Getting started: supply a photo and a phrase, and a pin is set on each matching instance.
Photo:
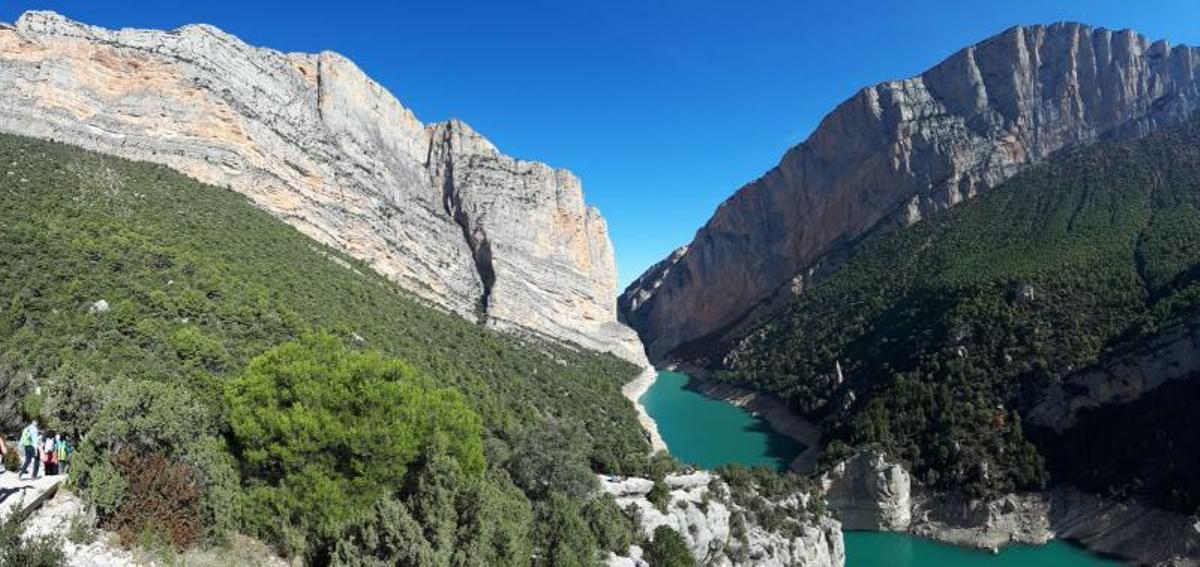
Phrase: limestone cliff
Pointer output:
(312, 139)
(898, 150)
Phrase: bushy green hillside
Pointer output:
(947, 330)
(198, 282)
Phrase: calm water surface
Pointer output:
(707, 433)
(881, 549)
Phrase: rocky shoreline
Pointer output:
(867, 492)
(870, 485)
(1126, 530)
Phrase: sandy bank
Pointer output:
(634, 390)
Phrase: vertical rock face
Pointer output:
(866, 492)
(532, 240)
(899, 150)
(312, 139)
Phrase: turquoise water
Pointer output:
(707, 433)
(882, 549)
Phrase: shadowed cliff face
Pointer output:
(312, 139)
(899, 150)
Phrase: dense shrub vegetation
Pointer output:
(322, 432)
(948, 330)
(667, 549)
(443, 515)
(765, 499)
(162, 500)
(199, 283)
(16, 551)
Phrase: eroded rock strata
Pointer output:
(899, 150)
(312, 139)
(701, 509)
(867, 491)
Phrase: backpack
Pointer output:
(27, 437)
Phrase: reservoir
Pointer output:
(707, 433)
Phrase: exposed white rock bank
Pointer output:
(869, 492)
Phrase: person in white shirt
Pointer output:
(49, 460)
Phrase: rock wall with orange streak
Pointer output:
(315, 141)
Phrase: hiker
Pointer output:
(49, 456)
(62, 451)
(29, 442)
(3, 453)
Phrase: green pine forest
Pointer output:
(262, 383)
(949, 330)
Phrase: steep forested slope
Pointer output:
(946, 332)
(899, 151)
(195, 282)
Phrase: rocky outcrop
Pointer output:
(1013, 518)
(868, 492)
(899, 150)
(315, 141)
(1146, 536)
(1142, 535)
(865, 492)
(701, 511)
(1173, 354)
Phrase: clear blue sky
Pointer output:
(663, 108)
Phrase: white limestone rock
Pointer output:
(865, 492)
(312, 139)
(704, 518)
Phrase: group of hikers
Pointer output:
(51, 453)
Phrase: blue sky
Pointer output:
(663, 108)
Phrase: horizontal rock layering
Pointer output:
(902, 149)
(312, 139)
